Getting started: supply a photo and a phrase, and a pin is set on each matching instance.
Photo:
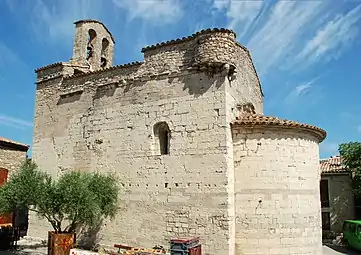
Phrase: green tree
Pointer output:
(351, 158)
(79, 199)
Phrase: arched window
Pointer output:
(104, 55)
(162, 137)
(92, 35)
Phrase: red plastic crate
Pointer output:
(183, 243)
(197, 250)
(6, 219)
(184, 240)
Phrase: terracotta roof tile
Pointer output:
(137, 63)
(248, 119)
(48, 66)
(95, 21)
(188, 38)
(10, 143)
(333, 165)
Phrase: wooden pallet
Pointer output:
(130, 250)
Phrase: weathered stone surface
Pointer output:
(277, 192)
(341, 200)
(12, 156)
(104, 120)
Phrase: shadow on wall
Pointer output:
(203, 83)
(341, 211)
(107, 91)
(70, 98)
(342, 205)
(89, 238)
(196, 85)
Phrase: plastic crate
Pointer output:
(196, 250)
(178, 252)
(183, 243)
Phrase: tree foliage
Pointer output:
(79, 199)
(351, 158)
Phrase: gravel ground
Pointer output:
(38, 247)
(28, 246)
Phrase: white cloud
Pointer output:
(336, 35)
(245, 13)
(53, 20)
(241, 14)
(290, 34)
(15, 122)
(296, 93)
(301, 90)
(276, 39)
(221, 4)
(160, 12)
(358, 128)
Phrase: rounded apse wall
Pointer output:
(277, 197)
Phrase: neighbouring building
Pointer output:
(337, 200)
(12, 155)
(185, 131)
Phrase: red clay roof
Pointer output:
(188, 38)
(9, 143)
(261, 120)
(332, 165)
(48, 66)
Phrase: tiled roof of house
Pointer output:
(332, 165)
(261, 120)
(9, 143)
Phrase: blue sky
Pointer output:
(307, 53)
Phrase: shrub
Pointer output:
(76, 199)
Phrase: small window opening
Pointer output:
(325, 198)
(103, 62)
(162, 136)
(90, 46)
(104, 55)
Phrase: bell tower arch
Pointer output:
(93, 45)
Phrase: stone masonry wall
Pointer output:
(11, 159)
(116, 134)
(81, 43)
(341, 200)
(239, 90)
(277, 192)
(104, 121)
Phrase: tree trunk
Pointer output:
(60, 244)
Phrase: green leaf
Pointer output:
(81, 198)
(351, 159)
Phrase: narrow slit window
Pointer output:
(325, 199)
(162, 138)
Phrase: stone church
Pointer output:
(185, 132)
